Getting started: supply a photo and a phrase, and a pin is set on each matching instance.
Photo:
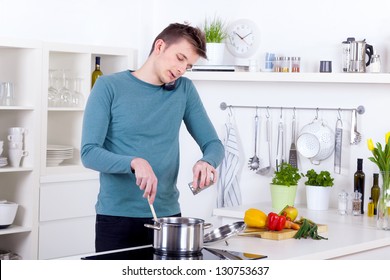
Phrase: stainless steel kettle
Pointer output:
(360, 56)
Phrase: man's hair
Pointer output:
(177, 31)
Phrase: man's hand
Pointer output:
(145, 178)
(204, 173)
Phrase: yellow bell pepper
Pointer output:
(255, 218)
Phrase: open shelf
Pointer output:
(360, 78)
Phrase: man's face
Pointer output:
(172, 61)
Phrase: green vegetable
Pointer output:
(323, 179)
(308, 229)
(286, 175)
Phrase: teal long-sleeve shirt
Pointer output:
(127, 118)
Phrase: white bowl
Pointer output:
(7, 213)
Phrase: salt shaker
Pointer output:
(198, 189)
(343, 202)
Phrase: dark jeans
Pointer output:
(114, 232)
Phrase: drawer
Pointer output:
(66, 237)
(64, 200)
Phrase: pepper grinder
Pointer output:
(357, 203)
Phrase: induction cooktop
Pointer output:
(148, 253)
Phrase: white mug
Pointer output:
(15, 156)
(15, 137)
(15, 145)
(17, 130)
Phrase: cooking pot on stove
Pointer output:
(178, 235)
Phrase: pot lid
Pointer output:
(224, 232)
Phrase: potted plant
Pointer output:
(318, 187)
(215, 32)
(284, 186)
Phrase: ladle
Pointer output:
(254, 162)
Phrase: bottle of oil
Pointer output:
(359, 180)
(375, 192)
(370, 208)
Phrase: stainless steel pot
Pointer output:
(178, 235)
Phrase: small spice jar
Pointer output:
(356, 203)
(285, 64)
(343, 203)
(278, 64)
(295, 64)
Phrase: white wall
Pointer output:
(312, 29)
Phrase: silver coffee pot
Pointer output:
(360, 56)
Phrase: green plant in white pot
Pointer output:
(215, 32)
(284, 186)
(318, 188)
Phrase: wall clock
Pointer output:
(243, 38)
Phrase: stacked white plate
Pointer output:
(3, 161)
(56, 154)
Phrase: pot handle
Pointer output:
(156, 227)
(207, 225)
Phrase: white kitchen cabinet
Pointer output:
(68, 192)
(21, 64)
(62, 125)
(56, 204)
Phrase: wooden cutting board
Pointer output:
(277, 235)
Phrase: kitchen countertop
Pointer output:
(348, 236)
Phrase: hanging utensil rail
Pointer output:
(360, 109)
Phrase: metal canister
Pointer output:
(346, 54)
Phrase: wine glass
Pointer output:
(64, 92)
(53, 95)
(77, 96)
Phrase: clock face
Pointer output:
(243, 38)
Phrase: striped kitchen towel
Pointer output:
(229, 193)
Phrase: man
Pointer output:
(131, 136)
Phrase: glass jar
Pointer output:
(278, 64)
(285, 64)
(295, 64)
(343, 203)
(375, 64)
